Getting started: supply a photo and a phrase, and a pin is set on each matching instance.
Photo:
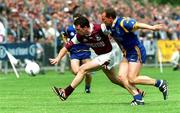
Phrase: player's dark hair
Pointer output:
(110, 12)
(82, 21)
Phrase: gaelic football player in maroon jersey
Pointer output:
(95, 36)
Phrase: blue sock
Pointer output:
(158, 82)
(137, 97)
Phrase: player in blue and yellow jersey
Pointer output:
(134, 53)
(79, 54)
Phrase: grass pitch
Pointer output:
(34, 95)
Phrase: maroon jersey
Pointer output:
(97, 40)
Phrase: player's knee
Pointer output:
(132, 80)
(82, 70)
(75, 72)
(123, 80)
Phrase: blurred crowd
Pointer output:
(42, 21)
(49, 17)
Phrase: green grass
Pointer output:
(34, 95)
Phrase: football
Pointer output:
(32, 68)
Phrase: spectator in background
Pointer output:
(2, 32)
(178, 31)
(38, 31)
(24, 30)
(175, 59)
(10, 38)
(17, 13)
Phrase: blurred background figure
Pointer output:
(2, 33)
(40, 19)
(175, 59)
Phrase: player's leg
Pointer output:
(75, 64)
(111, 74)
(134, 78)
(88, 78)
(131, 89)
(83, 70)
(114, 79)
(123, 75)
(134, 69)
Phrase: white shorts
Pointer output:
(107, 60)
(117, 52)
(93, 54)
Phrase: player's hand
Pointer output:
(54, 60)
(159, 27)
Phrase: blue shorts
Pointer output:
(136, 54)
(80, 55)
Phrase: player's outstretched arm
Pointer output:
(150, 27)
(61, 54)
(64, 50)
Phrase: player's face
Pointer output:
(82, 31)
(106, 20)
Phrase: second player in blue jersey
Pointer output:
(134, 54)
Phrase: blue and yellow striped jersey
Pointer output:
(123, 32)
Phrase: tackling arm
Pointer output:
(150, 27)
(131, 25)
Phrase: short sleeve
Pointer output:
(128, 24)
(71, 31)
(70, 43)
